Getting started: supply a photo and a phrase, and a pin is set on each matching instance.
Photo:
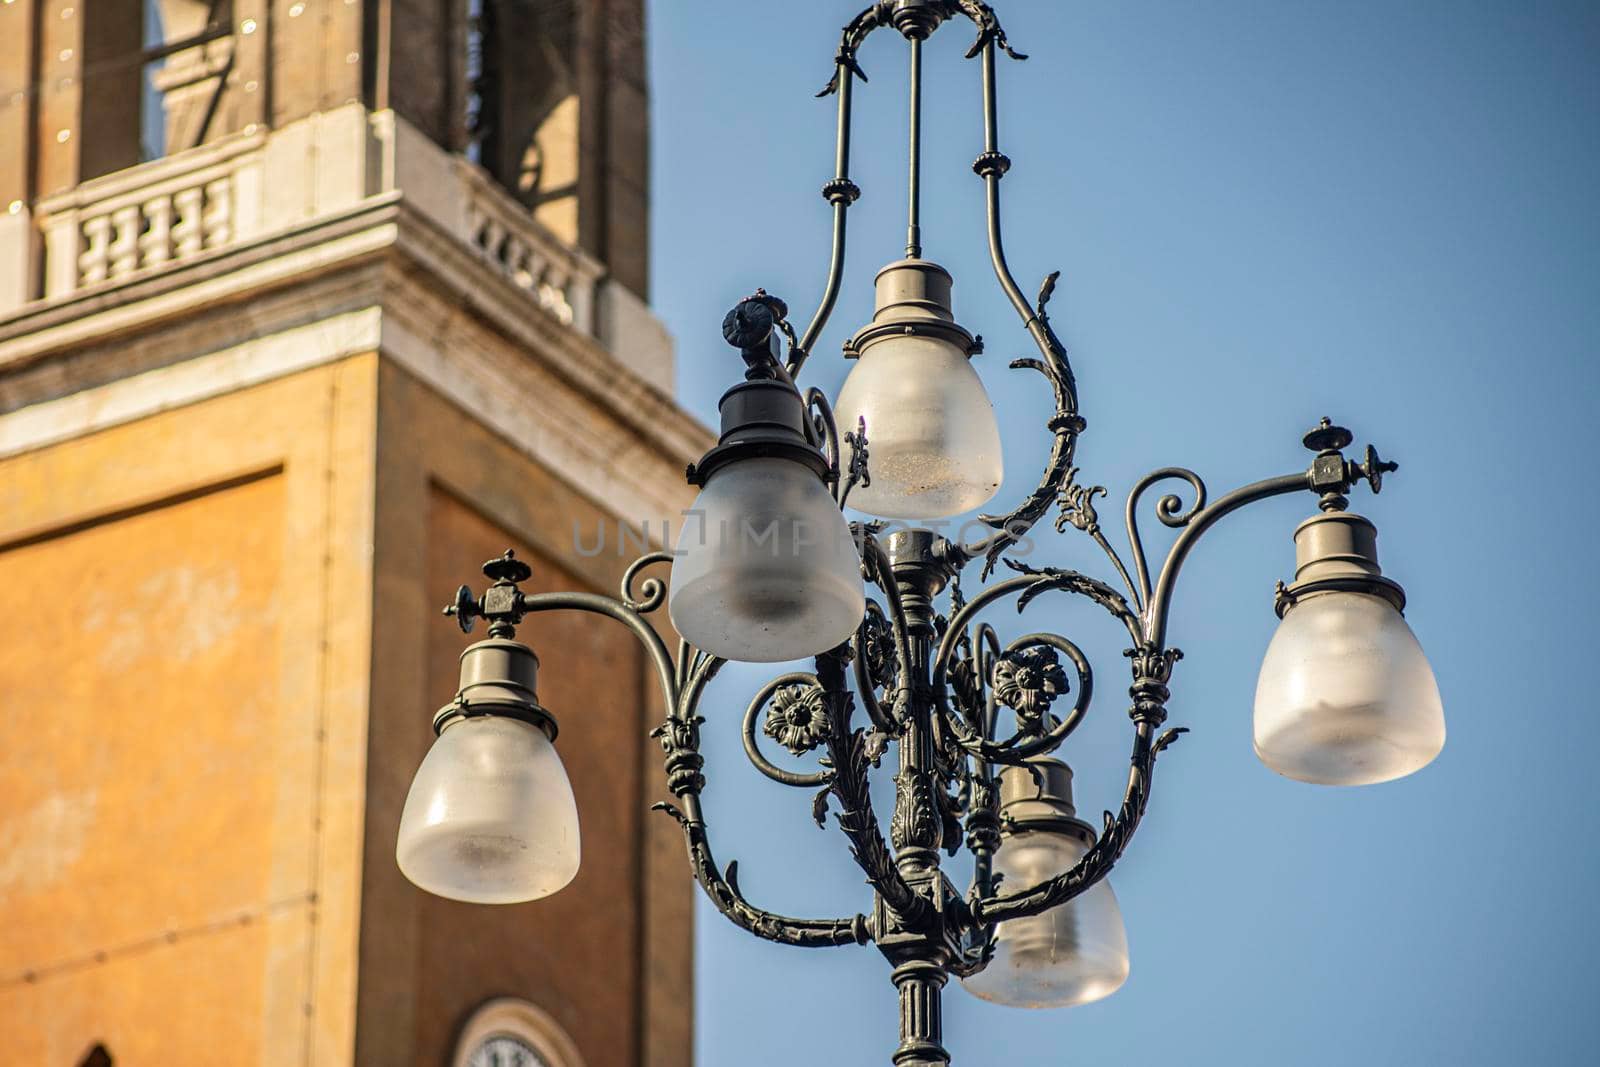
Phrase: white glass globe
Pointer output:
(1072, 954)
(490, 818)
(1346, 696)
(932, 441)
(766, 568)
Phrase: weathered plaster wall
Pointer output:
(184, 617)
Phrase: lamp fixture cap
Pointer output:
(912, 297)
(762, 417)
(1337, 551)
(1038, 796)
(498, 677)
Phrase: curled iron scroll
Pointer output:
(1169, 509)
(752, 747)
(822, 429)
(652, 593)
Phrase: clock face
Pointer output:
(503, 1050)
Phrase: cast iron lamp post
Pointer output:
(767, 569)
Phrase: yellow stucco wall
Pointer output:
(184, 618)
(220, 650)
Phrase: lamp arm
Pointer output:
(1066, 423)
(1102, 856)
(840, 191)
(1330, 476)
(1195, 523)
(680, 736)
(680, 741)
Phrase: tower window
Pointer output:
(186, 57)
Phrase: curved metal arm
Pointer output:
(1169, 509)
(625, 613)
(723, 891)
(1198, 521)
(679, 737)
(1100, 858)
(841, 192)
(824, 430)
(1066, 424)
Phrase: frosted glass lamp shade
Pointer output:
(490, 818)
(766, 568)
(1072, 954)
(1346, 696)
(933, 442)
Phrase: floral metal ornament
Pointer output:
(1027, 681)
(797, 719)
(1077, 505)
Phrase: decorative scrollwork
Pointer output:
(797, 718)
(856, 472)
(653, 593)
(989, 28)
(1169, 509)
(850, 753)
(855, 34)
(1066, 424)
(971, 728)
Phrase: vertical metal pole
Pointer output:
(921, 985)
(914, 222)
(920, 956)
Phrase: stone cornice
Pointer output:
(386, 270)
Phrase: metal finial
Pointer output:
(508, 568)
(1326, 437)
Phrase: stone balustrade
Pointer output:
(166, 211)
(197, 209)
(502, 232)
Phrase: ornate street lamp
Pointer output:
(767, 569)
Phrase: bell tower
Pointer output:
(307, 309)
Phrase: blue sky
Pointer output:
(1264, 213)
